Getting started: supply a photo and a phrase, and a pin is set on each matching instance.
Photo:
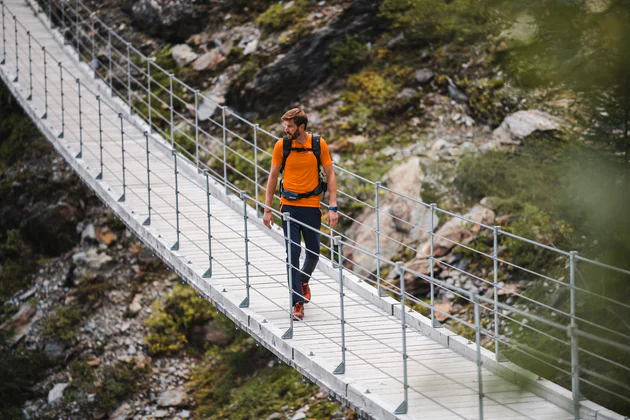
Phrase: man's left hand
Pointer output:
(332, 219)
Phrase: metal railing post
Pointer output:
(149, 94)
(497, 326)
(434, 321)
(256, 126)
(30, 68)
(129, 78)
(208, 272)
(197, 127)
(287, 218)
(80, 154)
(100, 135)
(475, 299)
(224, 148)
(147, 222)
(63, 108)
(170, 77)
(4, 38)
(402, 408)
(109, 59)
(575, 364)
(175, 246)
(245, 302)
(17, 61)
(341, 369)
(377, 209)
(45, 85)
(122, 148)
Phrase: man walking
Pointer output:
(298, 157)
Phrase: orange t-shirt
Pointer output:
(301, 171)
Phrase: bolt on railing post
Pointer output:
(575, 364)
(224, 148)
(147, 222)
(45, 85)
(100, 136)
(434, 321)
(63, 108)
(4, 39)
(122, 148)
(497, 326)
(197, 128)
(170, 78)
(341, 369)
(109, 59)
(402, 408)
(80, 154)
(149, 94)
(287, 219)
(475, 299)
(30, 68)
(129, 77)
(245, 302)
(256, 126)
(17, 61)
(379, 289)
(175, 246)
(208, 272)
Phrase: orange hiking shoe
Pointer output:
(306, 292)
(298, 312)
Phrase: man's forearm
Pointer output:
(271, 190)
(332, 189)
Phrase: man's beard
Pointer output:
(295, 135)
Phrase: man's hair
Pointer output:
(297, 116)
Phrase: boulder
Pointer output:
(172, 398)
(424, 76)
(123, 412)
(184, 55)
(168, 20)
(519, 125)
(56, 393)
(20, 323)
(209, 60)
(457, 230)
(51, 229)
(404, 179)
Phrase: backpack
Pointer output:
(322, 187)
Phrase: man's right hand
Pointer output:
(268, 218)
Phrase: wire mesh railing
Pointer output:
(586, 354)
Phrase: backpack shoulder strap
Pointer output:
(286, 149)
(315, 144)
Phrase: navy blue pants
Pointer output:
(311, 217)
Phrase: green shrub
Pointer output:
(119, 381)
(172, 320)
(63, 322)
(277, 17)
(347, 56)
(439, 21)
(15, 255)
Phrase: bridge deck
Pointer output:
(442, 383)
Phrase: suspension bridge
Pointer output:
(132, 132)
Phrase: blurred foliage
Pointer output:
(15, 256)
(20, 370)
(173, 318)
(278, 16)
(63, 323)
(349, 55)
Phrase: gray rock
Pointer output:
(159, 414)
(519, 125)
(457, 94)
(184, 414)
(184, 55)
(209, 60)
(251, 47)
(88, 233)
(274, 416)
(406, 93)
(54, 349)
(122, 412)
(172, 398)
(491, 203)
(56, 393)
(172, 21)
(131, 351)
(424, 76)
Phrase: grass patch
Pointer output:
(62, 324)
(277, 17)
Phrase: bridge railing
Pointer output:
(219, 146)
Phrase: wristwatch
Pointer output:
(333, 208)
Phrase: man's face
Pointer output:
(292, 130)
